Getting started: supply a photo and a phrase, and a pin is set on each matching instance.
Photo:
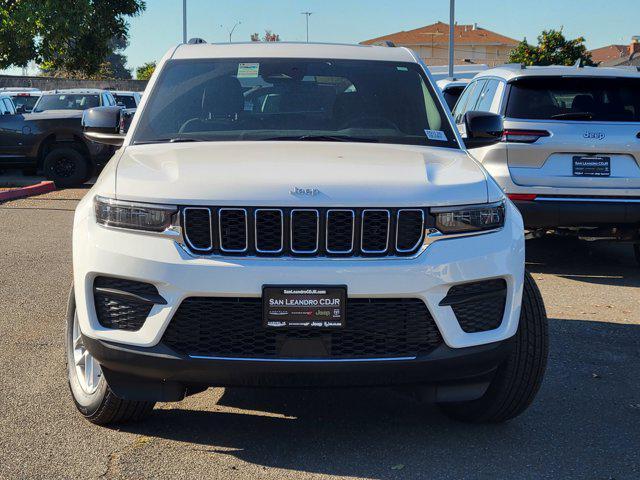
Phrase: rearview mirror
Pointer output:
(102, 125)
(482, 129)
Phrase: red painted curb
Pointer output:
(37, 189)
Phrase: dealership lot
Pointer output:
(584, 423)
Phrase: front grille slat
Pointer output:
(232, 327)
(304, 232)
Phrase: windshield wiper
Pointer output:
(323, 138)
(574, 115)
(169, 140)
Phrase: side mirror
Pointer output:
(102, 125)
(482, 129)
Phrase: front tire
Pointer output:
(91, 394)
(66, 167)
(518, 379)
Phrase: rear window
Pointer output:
(127, 100)
(575, 98)
(65, 101)
(25, 99)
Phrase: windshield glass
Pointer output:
(575, 98)
(66, 101)
(27, 100)
(290, 99)
(126, 100)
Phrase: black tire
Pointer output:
(66, 166)
(102, 406)
(518, 379)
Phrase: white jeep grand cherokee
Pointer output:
(283, 214)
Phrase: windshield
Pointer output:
(294, 99)
(27, 100)
(126, 100)
(575, 98)
(66, 101)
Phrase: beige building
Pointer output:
(473, 44)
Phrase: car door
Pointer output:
(11, 137)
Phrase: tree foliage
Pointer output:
(268, 36)
(65, 36)
(145, 71)
(552, 49)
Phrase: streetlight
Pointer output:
(307, 14)
(184, 21)
(452, 26)
(233, 29)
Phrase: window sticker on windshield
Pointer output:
(402, 69)
(438, 135)
(248, 70)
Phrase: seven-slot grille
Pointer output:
(271, 231)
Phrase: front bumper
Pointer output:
(550, 212)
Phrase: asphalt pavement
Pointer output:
(585, 422)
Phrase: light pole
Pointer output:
(307, 14)
(233, 30)
(452, 26)
(184, 21)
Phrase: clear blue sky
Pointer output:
(351, 21)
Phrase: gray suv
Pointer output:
(570, 152)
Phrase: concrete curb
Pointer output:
(37, 189)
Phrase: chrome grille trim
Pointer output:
(246, 230)
(186, 230)
(353, 230)
(364, 212)
(255, 228)
(291, 215)
(420, 240)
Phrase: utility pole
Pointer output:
(307, 14)
(233, 30)
(452, 26)
(184, 21)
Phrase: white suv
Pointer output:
(284, 214)
(570, 154)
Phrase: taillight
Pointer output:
(526, 197)
(523, 136)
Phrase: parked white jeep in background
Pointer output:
(299, 215)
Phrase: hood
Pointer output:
(54, 114)
(266, 174)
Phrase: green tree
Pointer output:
(145, 71)
(68, 36)
(552, 49)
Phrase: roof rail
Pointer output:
(514, 66)
(196, 41)
(385, 43)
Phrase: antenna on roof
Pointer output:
(385, 43)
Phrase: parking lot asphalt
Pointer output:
(585, 423)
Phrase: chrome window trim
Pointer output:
(255, 225)
(317, 212)
(420, 240)
(186, 232)
(246, 229)
(362, 229)
(353, 230)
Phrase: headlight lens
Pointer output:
(471, 218)
(135, 216)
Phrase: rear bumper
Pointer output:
(158, 373)
(550, 212)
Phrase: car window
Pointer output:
(67, 101)
(279, 99)
(127, 100)
(26, 100)
(486, 97)
(8, 107)
(468, 98)
(575, 98)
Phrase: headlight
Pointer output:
(470, 218)
(135, 216)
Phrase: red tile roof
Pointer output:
(438, 33)
(610, 52)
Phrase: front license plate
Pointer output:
(591, 166)
(304, 306)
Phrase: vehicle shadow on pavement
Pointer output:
(605, 263)
(583, 424)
